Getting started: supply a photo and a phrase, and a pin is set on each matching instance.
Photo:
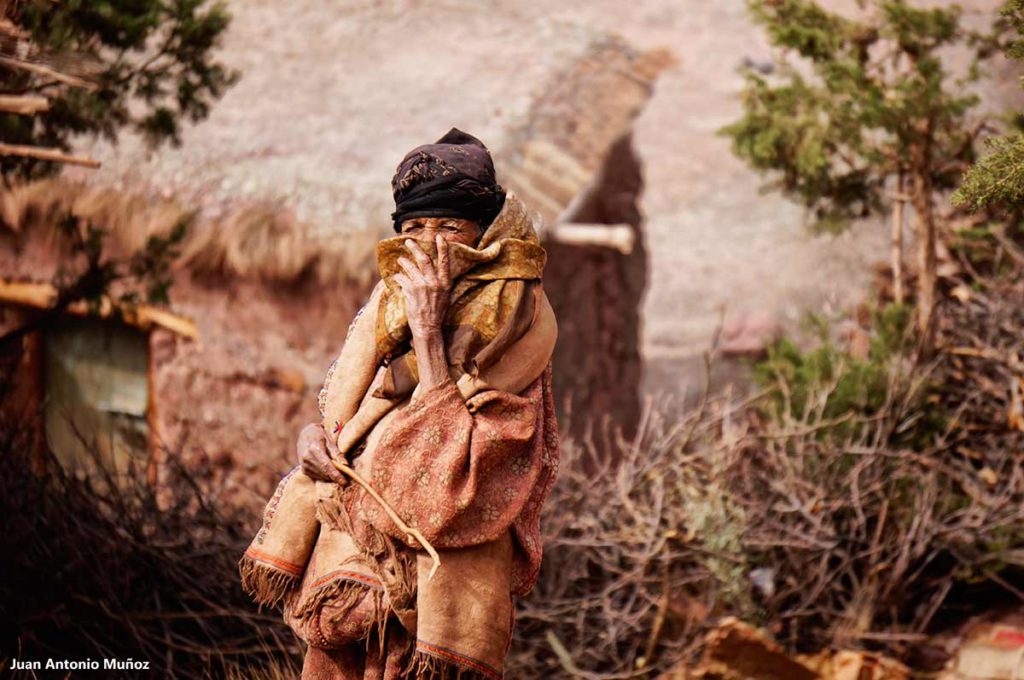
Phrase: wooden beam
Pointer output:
(43, 70)
(620, 237)
(144, 317)
(147, 317)
(25, 105)
(47, 154)
(38, 295)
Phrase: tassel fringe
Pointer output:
(264, 584)
(394, 566)
(425, 666)
(343, 596)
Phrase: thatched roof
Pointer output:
(254, 239)
(276, 196)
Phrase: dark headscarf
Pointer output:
(453, 177)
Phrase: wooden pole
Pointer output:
(43, 70)
(25, 105)
(620, 237)
(47, 154)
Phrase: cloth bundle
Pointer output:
(318, 557)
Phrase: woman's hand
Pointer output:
(315, 451)
(426, 288)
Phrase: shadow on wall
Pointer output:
(596, 291)
(574, 162)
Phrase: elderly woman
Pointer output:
(440, 401)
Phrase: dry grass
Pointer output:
(273, 670)
(870, 529)
(636, 547)
(90, 568)
(258, 240)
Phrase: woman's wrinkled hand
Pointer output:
(426, 288)
(315, 451)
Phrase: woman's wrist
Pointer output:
(430, 358)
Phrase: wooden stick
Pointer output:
(415, 533)
(44, 70)
(47, 154)
(25, 105)
(620, 237)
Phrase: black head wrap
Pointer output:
(453, 177)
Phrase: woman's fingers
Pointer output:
(311, 469)
(403, 281)
(425, 291)
(314, 449)
(332, 446)
(336, 475)
(309, 434)
(413, 272)
(317, 465)
(422, 259)
(443, 274)
(333, 454)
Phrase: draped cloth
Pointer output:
(468, 463)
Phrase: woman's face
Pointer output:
(451, 229)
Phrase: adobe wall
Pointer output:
(233, 403)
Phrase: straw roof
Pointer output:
(255, 239)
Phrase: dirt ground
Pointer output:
(333, 94)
